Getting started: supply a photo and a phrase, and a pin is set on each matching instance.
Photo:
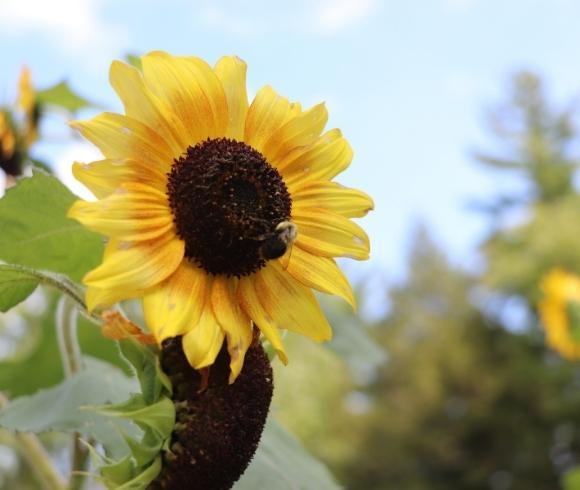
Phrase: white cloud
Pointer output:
(335, 15)
(74, 26)
(258, 17)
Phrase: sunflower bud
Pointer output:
(218, 425)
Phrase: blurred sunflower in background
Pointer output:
(560, 312)
(19, 127)
(221, 214)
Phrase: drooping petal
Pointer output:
(121, 137)
(320, 273)
(231, 71)
(175, 306)
(202, 344)
(141, 104)
(334, 197)
(234, 322)
(192, 90)
(131, 266)
(134, 212)
(328, 234)
(290, 304)
(104, 177)
(324, 159)
(250, 303)
(299, 131)
(268, 112)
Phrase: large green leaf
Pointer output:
(281, 463)
(37, 233)
(61, 95)
(61, 408)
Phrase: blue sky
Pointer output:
(406, 81)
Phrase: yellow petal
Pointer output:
(299, 131)
(251, 305)
(192, 90)
(320, 273)
(290, 304)
(334, 197)
(268, 112)
(133, 212)
(121, 137)
(136, 266)
(175, 306)
(324, 159)
(328, 234)
(144, 106)
(231, 71)
(103, 298)
(234, 322)
(203, 343)
(103, 177)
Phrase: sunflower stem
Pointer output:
(37, 457)
(70, 352)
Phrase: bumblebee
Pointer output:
(275, 244)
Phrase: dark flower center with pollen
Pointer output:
(226, 200)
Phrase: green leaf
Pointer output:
(571, 480)
(61, 95)
(15, 287)
(36, 232)
(134, 60)
(59, 408)
(281, 463)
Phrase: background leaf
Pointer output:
(37, 233)
(37, 364)
(281, 463)
(60, 408)
(61, 95)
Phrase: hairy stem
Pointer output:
(66, 324)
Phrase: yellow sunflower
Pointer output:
(220, 214)
(560, 312)
(27, 102)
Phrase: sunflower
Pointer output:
(221, 215)
(29, 105)
(560, 312)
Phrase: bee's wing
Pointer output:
(285, 259)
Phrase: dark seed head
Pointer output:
(225, 199)
(218, 425)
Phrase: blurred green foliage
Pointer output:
(463, 401)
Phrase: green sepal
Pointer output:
(147, 449)
(145, 364)
(159, 416)
(143, 479)
(118, 472)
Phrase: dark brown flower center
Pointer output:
(226, 199)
